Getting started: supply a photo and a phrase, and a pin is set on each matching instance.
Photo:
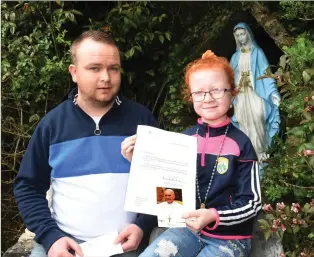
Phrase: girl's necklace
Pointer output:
(202, 204)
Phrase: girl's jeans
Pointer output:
(182, 242)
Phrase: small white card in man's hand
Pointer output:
(102, 246)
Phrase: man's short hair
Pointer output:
(96, 35)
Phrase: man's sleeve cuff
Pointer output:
(217, 220)
(146, 223)
(48, 239)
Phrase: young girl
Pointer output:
(227, 182)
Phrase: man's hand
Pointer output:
(61, 248)
(127, 147)
(130, 238)
(201, 218)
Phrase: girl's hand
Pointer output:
(127, 147)
(197, 220)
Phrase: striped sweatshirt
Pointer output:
(235, 193)
(87, 172)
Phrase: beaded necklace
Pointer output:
(202, 204)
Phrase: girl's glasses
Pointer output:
(216, 93)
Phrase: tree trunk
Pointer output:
(270, 23)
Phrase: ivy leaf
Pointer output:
(270, 216)
(139, 48)
(168, 36)
(296, 229)
(264, 223)
(34, 118)
(307, 115)
(132, 52)
(76, 12)
(161, 38)
(267, 234)
(311, 210)
(306, 77)
(132, 24)
(150, 72)
(12, 16)
(309, 146)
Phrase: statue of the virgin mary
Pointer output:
(256, 110)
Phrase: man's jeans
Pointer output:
(39, 250)
(182, 242)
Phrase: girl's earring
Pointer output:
(231, 106)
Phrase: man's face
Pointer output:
(241, 36)
(97, 71)
(169, 196)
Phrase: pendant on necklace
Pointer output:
(202, 205)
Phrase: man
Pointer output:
(169, 212)
(77, 148)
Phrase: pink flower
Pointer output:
(282, 255)
(280, 206)
(273, 228)
(301, 222)
(307, 109)
(267, 208)
(312, 203)
(283, 228)
(302, 254)
(295, 207)
(276, 224)
(308, 152)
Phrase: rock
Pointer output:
(23, 247)
(262, 248)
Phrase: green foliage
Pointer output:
(34, 77)
(289, 177)
(297, 16)
(297, 10)
(176, 114)
(290, 163)
(142, 34)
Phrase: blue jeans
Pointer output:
(39, 250)
(182, 242)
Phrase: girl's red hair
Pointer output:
(208, 61)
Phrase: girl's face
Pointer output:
(212, 111)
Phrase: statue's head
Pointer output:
(243, 36)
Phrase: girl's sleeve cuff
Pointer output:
(217, 220)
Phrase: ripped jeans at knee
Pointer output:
(182, 242)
